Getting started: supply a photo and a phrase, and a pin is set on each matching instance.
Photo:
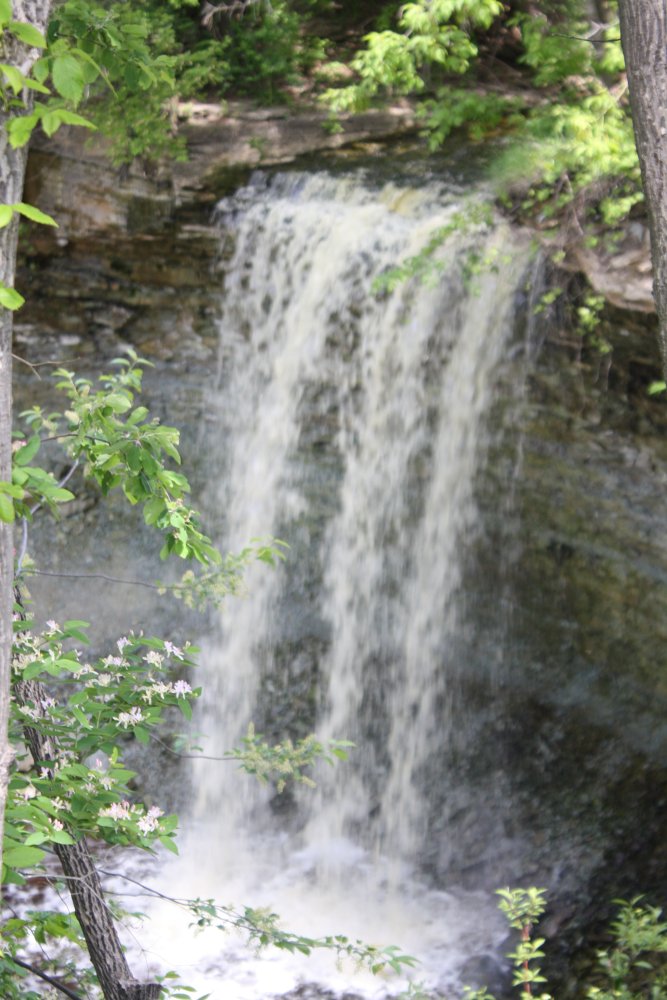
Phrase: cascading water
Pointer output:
(352, 424)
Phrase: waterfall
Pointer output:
(351, 422)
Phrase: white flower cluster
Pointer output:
(117, 810)
(114, 661)
(83, 671)
(147, 823)
(172, 650)
(161, 688)
(131, 718)
(30, 712)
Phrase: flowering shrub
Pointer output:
(73, 716)
(90, 712)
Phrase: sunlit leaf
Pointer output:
(35, 85)
(10, 298)
(20, 129)
(23, 857)
(68, 78)
(51, 122)
(28, 34)
(169, 844)
(6, 509)
(14, 77)
(72, 118)
(35, 214)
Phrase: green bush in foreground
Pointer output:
(632, 968)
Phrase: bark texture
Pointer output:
(84, 884)
(12, 172)
(644, 38)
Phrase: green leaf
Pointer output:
(5, 12)
(118, 402)
(67, 662)
(67, 76)
(90, 69)
(61, 837)
(24, 455)
(23, 857)
(51, 122)
(133, 458)
(10, 298)
(78, 636)
(140, 413)
(40, 70)
(33, 670)
(35, 85)
(34, 839)
(11, 490)
(80, 717)
(71, 118)
(169, 844)
(59, 495)
(7, 213)
(153, 510)
(185, 707)
(30, 212)
(14, 77)
(79, 698)
(6, 509)
(20, 129)
(28, 34)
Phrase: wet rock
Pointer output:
(622, 273)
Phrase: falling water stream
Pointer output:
(351, 422)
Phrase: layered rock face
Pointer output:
(564, 678)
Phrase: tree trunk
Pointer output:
(84, 884)
(90, 906)
(7, 255)
(644, 38)
(12, 173)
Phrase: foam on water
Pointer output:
(398, 387)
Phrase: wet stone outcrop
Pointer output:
(574, 577)
(563, 669)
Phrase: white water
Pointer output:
(396, 388)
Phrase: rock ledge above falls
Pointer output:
(72, 178)
(134, 257)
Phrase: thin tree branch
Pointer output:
(42, 364)
(47, 979)
(97, 576)
(142, 885)
(28, 364)
(582, 38)
(33, 510)
(188, 756)
(184, 903)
